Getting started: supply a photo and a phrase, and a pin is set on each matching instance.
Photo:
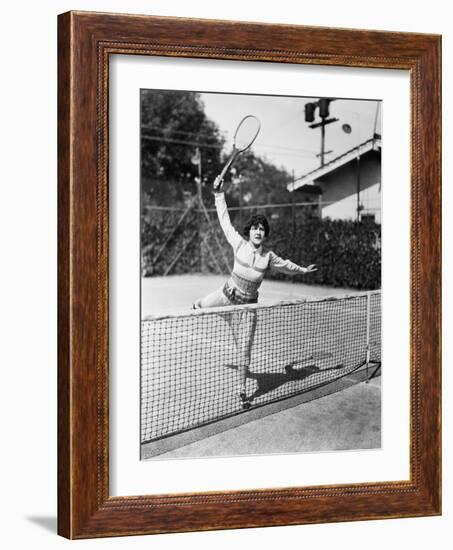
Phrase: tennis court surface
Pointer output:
(190, 361)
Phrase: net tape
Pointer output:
(190, 363)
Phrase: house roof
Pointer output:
(311, 177)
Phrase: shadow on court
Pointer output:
(342, 415)
(270, 381)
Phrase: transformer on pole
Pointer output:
(323, 106)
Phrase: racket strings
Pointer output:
(246, 132)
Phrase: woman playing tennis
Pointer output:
(251, 258)
(251, 261)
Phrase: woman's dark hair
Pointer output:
(257, 219)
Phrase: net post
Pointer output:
(368, 324)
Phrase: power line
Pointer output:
(295, 154)
(199, 135)
(185, 132)
(181, 142)
(247, 207)
(277, 151)
(282, 147)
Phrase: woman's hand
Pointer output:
(217, 186)
(311, 268)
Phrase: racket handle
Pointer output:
(228, 164)
(217, 186)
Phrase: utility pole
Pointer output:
(347, 129)
(293, 215)
(359, 208)
(241, 199)
(323, 106)
(196, 159)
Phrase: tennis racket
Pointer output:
(246, 132)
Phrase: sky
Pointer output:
(285, 138)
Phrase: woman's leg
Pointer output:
(243, 325)
(214, 299)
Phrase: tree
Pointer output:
(258, 181)
(173, 125)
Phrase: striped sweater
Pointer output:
(250, 263)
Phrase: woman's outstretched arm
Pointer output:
(287, 266)
(232, 236)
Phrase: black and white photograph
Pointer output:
(260, 274)
(218, 257)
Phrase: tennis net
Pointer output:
(190, 363)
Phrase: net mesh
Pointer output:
(375, 327)
(190, 363)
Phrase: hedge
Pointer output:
(346, 253)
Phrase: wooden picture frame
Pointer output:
(85, 41)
